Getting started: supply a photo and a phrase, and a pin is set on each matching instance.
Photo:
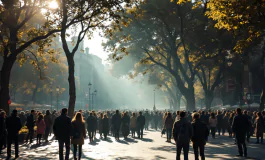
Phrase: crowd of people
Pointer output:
(181, 126)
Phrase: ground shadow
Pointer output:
(130, 140)
(122, 142)
(147, 140)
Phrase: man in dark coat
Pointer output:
(156, 119)
(91, 125)
(30, 125)
(2, 130)
(182, 133)
(13, 125)
(200, 134)
(140, 125)
(219, 122)
(240, 127)
(147, 120)
(62, 130)
(116, 124)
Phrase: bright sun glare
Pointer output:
(53, 5)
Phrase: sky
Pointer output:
(95, 47)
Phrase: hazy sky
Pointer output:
(95, 47)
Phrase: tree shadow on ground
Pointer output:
(147, 140)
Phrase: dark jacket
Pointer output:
(13, 125)
(62, 127)
(48, 120)
(91, 123)
(240, 126)
(169, 123)
(30, 121)
(2, 127)
(105, 125)
(200, 132)
(140, 121)
(23, 119)
(184, 126)
(116, 120)
(219, 120)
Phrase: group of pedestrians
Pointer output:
(181, 126)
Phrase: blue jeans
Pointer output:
(169, 133)
(67, 148)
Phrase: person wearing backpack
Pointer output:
(79, 134)
(200, 134)
(62, 129)
(182, 133)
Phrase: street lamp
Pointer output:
(89, 85)
(51, 94)
(154, 100)
(95, 93)
(86, 94)
(57, 90)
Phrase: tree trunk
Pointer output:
(208, 99)
(33, 99)
(72, 87)
(190, 98)
(5, 80)
(177, 102)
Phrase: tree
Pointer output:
(89, 15)
(19, 35)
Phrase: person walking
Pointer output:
(79, 134)
(169, 125)
(259, 128)
(100, 125)
(62, 130)
(219, 124)
(105, 126)
(30, 125)
(240, 127)
(91, 125)
(23, 118)
(48, 122)
(140, 125)
(182, 133)
(2, 130)
(116, 124)
(13, 125)
(41, 126)
(213, 124)
(156, 119)
(125, 122)
(200, 134)
(133, 125)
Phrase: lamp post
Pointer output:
(51, 95)
(93, 94)
(154, 100)
(89, 85)
(57, 90)
(86, 94)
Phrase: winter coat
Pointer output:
(91, 123)
(82, 130)
(13, 125)
(182, 131)
(200, 132)
(116, 121)
(41, 126)
(23, 119)
(100, 125)
(125, 125)
(212, 122)
(259, 127)
(219, 120)
(30, 121)
(140, 121)
(240, 127)
(62, 127)
(133, 124)
(169, 123)
(2, 127)
(105, 125)
(48, 120)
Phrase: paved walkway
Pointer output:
(152, 147)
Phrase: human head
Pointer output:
(133, 114)
(182, 114)
(238, 111)
(64, 111)
(195, 116)
(2, 113)
(78, 117)
(14, 112)
(117, 111)
(140, 113)
(32, 111)
(40, 117)
(48, 112)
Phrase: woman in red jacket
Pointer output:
(41, 126)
